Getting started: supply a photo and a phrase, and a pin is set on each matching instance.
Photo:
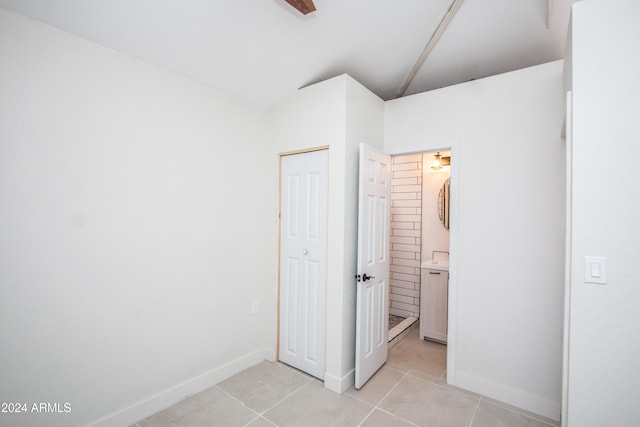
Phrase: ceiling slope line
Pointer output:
(446, 19)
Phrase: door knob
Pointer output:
(365, 277)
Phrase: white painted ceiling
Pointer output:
(264, 50)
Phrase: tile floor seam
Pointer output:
(240, 402)
(397, 416)
(260, 417)
(309, 381)
(385, 396)
(356, 398)
(366, 416)
(420, 377)
(418, 374)
(391, 389)
(395, 369)
(516, 410)
(542, 421)
(375, 405)
(406, 374)
(252, 420)
(359, 399)
(475, 412)
(447, 387)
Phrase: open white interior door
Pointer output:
(372, 312)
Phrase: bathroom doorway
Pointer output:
(419, 234)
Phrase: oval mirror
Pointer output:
(443, 204)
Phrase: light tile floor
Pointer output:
(409, 390)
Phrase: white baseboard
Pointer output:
(166, 398)
(518, 398)
(338, 384)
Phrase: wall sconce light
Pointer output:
(440, 161)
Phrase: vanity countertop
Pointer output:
(435, 264)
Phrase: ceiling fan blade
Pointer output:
(303, 6)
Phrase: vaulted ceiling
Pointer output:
(264, 50)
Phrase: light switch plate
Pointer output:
(595, 270)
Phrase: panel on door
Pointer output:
(372, 295)
(303, 261)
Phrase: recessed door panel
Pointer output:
(290, 297)
(293, 206)
(314, 210)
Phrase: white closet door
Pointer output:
(303, 260)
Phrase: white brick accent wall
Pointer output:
(406, 223)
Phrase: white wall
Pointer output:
(507, 275)
(315, 117)
(434, 236)
(129, 240)
(365, 123)
(339, 113)
(604, 346)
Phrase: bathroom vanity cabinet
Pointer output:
(434, 300)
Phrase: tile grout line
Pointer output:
(366, 416)
(396, 416)
(516, 410)
(375, 406)
(260, 414)
(240, 402)
(480, 398)
(396, 369)
(309, 381)
(392, 388)
(260, 417)
(406, 374)
(445, 386)
(475, 412)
